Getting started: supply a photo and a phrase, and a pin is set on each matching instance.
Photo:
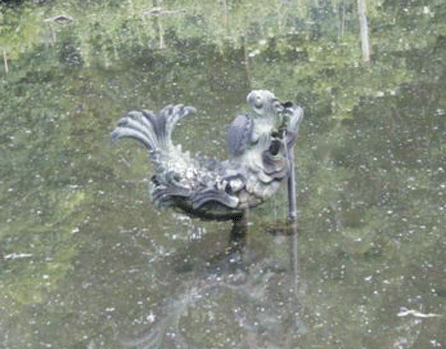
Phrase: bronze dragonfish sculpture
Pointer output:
(258, 143)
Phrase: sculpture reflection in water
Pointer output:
(245, 309)
(259, 143)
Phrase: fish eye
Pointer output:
(258, 103)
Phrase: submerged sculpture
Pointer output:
(259, 143)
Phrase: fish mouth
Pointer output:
(279, 107)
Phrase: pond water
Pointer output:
(88, 262)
